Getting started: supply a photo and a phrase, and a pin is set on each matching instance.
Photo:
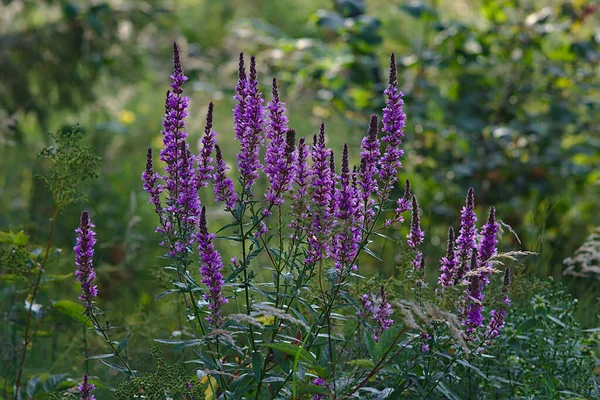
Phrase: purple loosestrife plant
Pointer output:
(302, 177)
(393, 125)
(204, 159)
(367, 175)
(378, 309)
(449, 263)
(416, 235)
(86, 389)
(249, 126)
(467, 237)
(322, 184)
(223, 186)
(84, 254)
(488, 247)
(210, 269)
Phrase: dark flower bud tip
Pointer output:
(393, 71)
(373, 127)
(209, 118)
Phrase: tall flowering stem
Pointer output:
(322, 183)
(393, 125)
(497, 316)
(378, 308)
(369, 156)
(223, 186)
(347, 236)
(204, 159)
(449, 262)
(86, 389)
(474, 317)
(467, 238)
(301, 181)
(416, 235)
(278, 157)
(84, 254)
(211, 265)
(488, 247)
(249, 121)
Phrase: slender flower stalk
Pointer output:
(84, 254)
(467, 238)
(151, 185)
(204, 159)
(301, 181)
(278, 162)
(347, 236)
(488, 247)
(416, 235)
(369, 156)
(379, 309)
(223, 186)
(86, 389)
(393, 125)
(322, 183)
(211, 265)
(250, 126)
(449, 263)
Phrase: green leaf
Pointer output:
(257, 365)
(526, 325)
(362, 363)
(557, 321)
(293, 350)
(101, 356)
(17, 239)
(72, 310)
(123, 343)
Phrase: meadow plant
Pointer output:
(291, 316)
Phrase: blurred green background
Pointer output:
(501, 95)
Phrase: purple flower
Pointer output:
(416, 235)
(301, 180)
(151, 185)
(449, 262)
(474, 318)
(204, 159)
(86, 389)
(380, 310)
(248, 121)
(322, 183)
(467, 238)
(393, 123)
(210, 269)
(488, 246)
(346, 239)
(369, 156)
(223, 186)
(84, 254)
(319, 382)
(279, 153)
(496, 323)
(425, 338)
(402, 205)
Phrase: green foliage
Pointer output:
(72, 164)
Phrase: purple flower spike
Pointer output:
(322, 183)
(496, 323)
(393, 124)
(416, 235)
(488, 246)
(380, 310)
(223, 186)
(475, 297)
(204, 160)
(84, 254)
(211, 265)
(345, 241)
(151, 186)
(249, 128)
(369, 156)
(449, 262)
(301, 179)
(467, 238)
(86, 389)
(280, 150)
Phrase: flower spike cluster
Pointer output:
(210, 269)
(393, 125)
(84, 254)
(449, 263)
(223, 186)
(204, 159)
(367, 175)
(378, 308)
(467, 238)
(416, 235)
(86, 389)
